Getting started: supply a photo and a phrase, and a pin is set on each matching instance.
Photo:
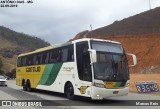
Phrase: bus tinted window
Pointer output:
(24, 61)
(29, 60)
(34, 59)
(59, 55)
(62, 54)
(53, 56)
(39, 58)
(70, 53)
(65, 54)
(45, 57)
(19, 62)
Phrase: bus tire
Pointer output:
(24, 87)
(28, 86)
(69, 91)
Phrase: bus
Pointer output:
(87, 67)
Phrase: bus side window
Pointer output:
(53, 58)
(40, 58)
(70, 53)
(34, 59)
(64, 57)
(24, 61)
(67, 54)
(29, 60)
(59, 54)
(45, 57)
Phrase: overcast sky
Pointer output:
(57, 21)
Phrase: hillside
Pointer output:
(143, 23)
(13, 43)
(22, 39)
(140, 34)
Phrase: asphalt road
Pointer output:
(57, 100)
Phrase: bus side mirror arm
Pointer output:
(93, 55)
(134, 59)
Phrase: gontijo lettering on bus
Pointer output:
(33, 69)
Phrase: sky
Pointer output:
(57, 21)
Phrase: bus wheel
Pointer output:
(24, 87)
(28, 86)
(69, 91)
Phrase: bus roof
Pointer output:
(67, 43)
(89, 39)
(45, 48)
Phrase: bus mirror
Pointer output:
(93, 55)
(134, 59)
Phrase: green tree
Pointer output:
(1, 71)
(1, 64)
(11, 74)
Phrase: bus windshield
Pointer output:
(111, 62)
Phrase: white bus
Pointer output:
(86, 67)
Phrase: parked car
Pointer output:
(3, 81)
(7, 77)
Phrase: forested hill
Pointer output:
(22, 39)
(12, 44)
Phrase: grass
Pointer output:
(144, 77)
(6, 44)
(8, 63)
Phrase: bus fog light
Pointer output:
(127, 84)
(97, 95)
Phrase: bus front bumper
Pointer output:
(101, 93)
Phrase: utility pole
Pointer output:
(85, 36)
(149, 4)
(91, 26)
(91, 29)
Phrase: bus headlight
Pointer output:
(127, 84)
(99, 85)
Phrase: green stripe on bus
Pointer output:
(46, 73)
(123, 84)
(52, 74)
(118, 84)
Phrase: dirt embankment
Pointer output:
(143, 77)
